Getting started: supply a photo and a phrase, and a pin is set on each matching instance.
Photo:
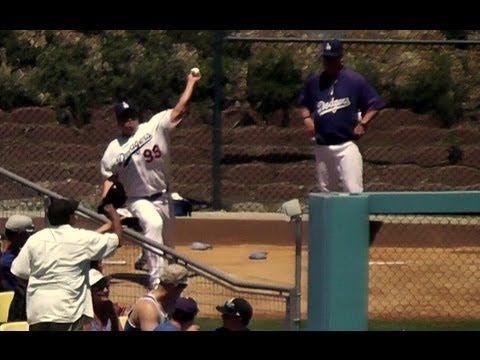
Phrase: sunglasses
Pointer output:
(182, 286)
(102, 284)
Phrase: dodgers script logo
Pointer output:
(134, 148)
(324, 107)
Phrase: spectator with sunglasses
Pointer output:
(105, 316)
(156, 307)
(236, 315)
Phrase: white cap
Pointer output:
(94, 276)
(176, 196)
(20, 223)
(124, 212)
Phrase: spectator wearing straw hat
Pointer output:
(157, 306)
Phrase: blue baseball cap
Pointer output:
(187, 305)
(332, 48)
(123, 110)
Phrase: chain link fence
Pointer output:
(425, 268)
(426, 140)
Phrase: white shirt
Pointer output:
(56, 262)
(142, 161)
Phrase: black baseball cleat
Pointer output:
(141, 265)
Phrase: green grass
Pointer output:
(373, 325)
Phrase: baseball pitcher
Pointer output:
(140, 159)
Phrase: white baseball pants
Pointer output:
(339, 168)
(157, 220)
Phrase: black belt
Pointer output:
(155, 196)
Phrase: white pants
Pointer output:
(339, 168)
(157, 220)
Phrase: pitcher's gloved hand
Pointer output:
(116, 196)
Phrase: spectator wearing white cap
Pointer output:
(155, 307)
(18, 229)
(105, 316)
(56, 261)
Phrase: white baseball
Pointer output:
(195, 71)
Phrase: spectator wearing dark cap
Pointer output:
(157, 306)
(140, 160)
(337, 105)
(236, 315)
(56, 261)
(18, 229)
(186, 309)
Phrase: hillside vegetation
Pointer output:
(75, 72)
(57, 89)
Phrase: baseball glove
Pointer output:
(116, 196)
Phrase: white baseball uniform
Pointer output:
(142, 163)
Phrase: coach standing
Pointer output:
(331, 102)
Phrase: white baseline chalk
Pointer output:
(386, 262)
(114, 262)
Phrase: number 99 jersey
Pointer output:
(142, 161)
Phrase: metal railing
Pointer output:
(209, 277)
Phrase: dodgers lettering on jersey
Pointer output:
(124, 158)
(142, 161)
(324, 107)
(335, 104)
